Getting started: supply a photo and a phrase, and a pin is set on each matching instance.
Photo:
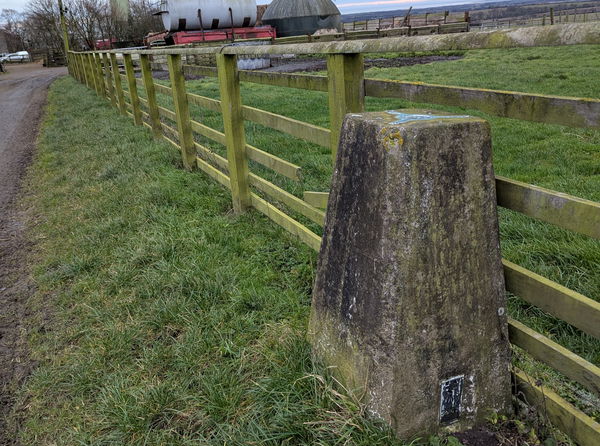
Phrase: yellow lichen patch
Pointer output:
(391, 138)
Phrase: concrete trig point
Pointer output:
(409, 302)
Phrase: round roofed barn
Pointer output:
(298, 17)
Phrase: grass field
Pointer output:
(172, 321)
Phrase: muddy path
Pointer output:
(23, 92)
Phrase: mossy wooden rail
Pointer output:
(347, 88)
(572, 112)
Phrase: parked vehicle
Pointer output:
(20, 56)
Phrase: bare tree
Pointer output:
(85, 19)
(41, 25)
(142, 19)
(87, 22)
(11, 22)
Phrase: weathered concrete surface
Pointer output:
(409, 289)
(556, 35)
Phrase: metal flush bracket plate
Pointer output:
(450, 395)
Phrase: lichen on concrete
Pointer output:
(409, 289)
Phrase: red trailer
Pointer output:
(215, 35)
(104, 44)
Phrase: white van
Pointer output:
(20, 56)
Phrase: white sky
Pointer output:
(346, 6)
(19, 5)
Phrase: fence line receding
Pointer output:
(114, 78)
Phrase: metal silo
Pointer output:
(297, 17)
(186, 15)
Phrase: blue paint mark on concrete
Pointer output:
(408, 117)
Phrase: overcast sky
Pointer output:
(346, 6)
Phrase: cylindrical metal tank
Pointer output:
(191, 15)
(297, 17)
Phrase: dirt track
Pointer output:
(23, 93)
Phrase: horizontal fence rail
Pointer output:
(573, 112)
(570, 112)
(554, 355)
(566, 211)
(580, 427)
(563, 303)
(563, 210)
(101, 72)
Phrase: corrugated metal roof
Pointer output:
(281, 9)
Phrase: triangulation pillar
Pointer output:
(409, 306)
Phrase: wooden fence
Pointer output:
(552, 17)
(423, 19)
(347, 88)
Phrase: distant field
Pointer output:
(482, 11)
(176, 323)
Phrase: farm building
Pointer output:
(298, 17)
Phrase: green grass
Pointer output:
(556, 157)
(175, 322)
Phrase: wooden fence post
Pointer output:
(346, 87)
(76, 67)
(118, 86)
(133, 94)
(79, 68)
(78, 74)
(233, 122)
(90, 68)
(150, 95)
(97, 75)
(182, 111)
(83, 70)
(86, 71)
(92, 65)
(100, 74)
(94, 81)
(109, 82)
